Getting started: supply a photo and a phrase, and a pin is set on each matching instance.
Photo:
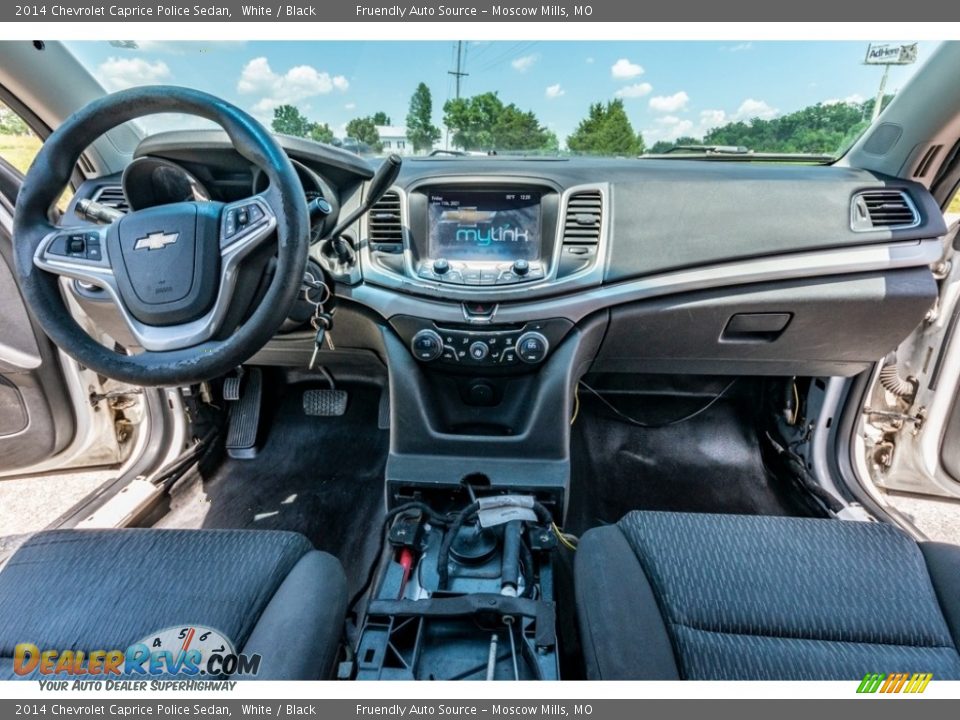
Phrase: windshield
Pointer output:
(616, 99)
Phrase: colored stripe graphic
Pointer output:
(893, 683)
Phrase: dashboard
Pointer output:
(486, 265)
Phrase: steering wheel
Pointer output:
(172, 270)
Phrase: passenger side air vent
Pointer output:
(581, 231)
(891, 209)
(384, 224)
(112, 196)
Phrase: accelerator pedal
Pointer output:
(325, 403)
(245, 394)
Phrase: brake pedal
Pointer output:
(244, 414)
(325, 403)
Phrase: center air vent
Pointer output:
(891, 209)
(581, 231)
(384, 225)
(112, 196)
(581, 226)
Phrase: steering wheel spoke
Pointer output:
(244, 225)
(79, 253)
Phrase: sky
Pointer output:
(669, 89)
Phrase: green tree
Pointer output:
(321, 132)
(606, 131)
(420, 128)
(365, 130)
(12, 124)
(483, 122)
(288, 120)
(381, 118)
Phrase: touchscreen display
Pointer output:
(484, 225)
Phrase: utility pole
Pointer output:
(458, 73)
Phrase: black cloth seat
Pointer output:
(724, 597)
(270, 592)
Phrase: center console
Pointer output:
(481, 399)
(476, 389)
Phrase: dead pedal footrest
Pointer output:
(245, 417)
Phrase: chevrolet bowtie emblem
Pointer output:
(156, 241)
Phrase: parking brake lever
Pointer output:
(381, 181)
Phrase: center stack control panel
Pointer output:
(493, 348)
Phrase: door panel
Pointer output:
(36, 414)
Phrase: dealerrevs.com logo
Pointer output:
(892, 683)
(190, 651)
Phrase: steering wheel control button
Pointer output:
(479, 350)
(532, 347)
(427, 345)
(77, 245)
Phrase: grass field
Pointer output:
(19, 150)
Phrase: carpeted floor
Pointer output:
(319, 476)
(710, 463)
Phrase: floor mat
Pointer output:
(320, 476)
(709, 463)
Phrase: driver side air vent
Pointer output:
(891, 209)
(112, 196)
(581, 231)
(384, 224)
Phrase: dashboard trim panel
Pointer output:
(861, 259)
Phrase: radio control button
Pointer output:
(441, 266)
(471, 277)
(488, 277)
(521, 267)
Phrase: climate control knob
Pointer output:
(532, 347)
(479, 350)
(427, 345)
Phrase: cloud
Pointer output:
(855, 99)
(555, 91)
(298, 83)
(674, 127)
(712, 118)
(121, 73)
(741, 47)
(750, 109)
(590, 61)
(350, 106)
(634, 91)
(670, 103)
(522, 64)
(623, 69)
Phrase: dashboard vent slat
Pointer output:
(112, 196)
(891, 209)
(384, 223)
(584, 215)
